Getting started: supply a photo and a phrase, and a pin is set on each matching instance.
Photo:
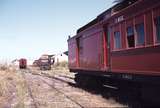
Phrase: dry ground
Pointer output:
(45, 89)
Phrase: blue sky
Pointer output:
(29, 28)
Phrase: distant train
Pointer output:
(121, 43)
(22, 63)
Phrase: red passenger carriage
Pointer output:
(125, 41)
(121, 43)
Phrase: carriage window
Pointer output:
(157, 23)
(130, 37)
(117, 41)
(140, 34)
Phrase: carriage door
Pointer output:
(107, 48)
(79, 51)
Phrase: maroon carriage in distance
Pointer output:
(121, 43)
(23, 63)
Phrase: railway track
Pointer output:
(68, 97)
(42, 76)
(29, 90)
(54, 77)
